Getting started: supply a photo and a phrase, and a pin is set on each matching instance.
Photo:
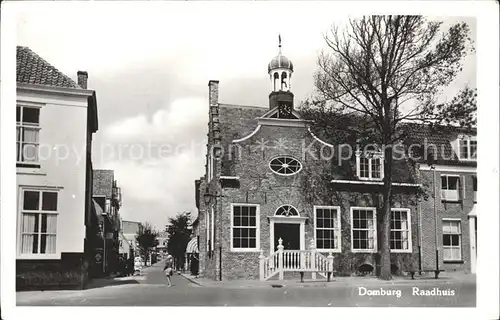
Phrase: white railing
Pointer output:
(268, 266)
(294, 261)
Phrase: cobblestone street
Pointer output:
(150, 289)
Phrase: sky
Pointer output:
(150, 63)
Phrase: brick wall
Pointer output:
(445, 210)
(259, 185)
(69, 272)
(103, 183)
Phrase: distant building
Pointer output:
(129, 230)
(162, 246)
(108, 197)
(125, 247)
(55, 116)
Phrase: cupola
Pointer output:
(280, 71)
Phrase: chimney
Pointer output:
(213, 95)
(82, 79)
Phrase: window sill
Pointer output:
(363, 251)
(453, 261)
(33, 171)
(400, 251)
(329, 250)
(371, 179)
(52, 256)
(244, 250)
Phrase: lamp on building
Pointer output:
(207, 197)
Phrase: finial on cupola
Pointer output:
(279, 42)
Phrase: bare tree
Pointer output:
(388, 70)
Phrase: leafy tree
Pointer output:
(146, 237)
(179, 236)
(383, 71)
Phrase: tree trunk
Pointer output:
(385, 228)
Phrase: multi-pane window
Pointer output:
(364, 234)
(38, 222)
(27, 134)
(468, 148)
(370, 166)
(327, 226)
(245, 227)
(450, 187)
(400, 239)
(452, 242)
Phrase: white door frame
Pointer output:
(293, 220)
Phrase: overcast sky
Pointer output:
(150, 64)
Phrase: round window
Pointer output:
(286, 211)
(285, 165)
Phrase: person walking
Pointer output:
(169, 271)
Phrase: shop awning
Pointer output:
(97, 210)
(192, 246)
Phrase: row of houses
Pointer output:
(266, 184)
(69, 228)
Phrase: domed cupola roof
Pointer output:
(280, 61)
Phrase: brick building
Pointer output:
(449, 219)
(267, 178)
(107, 197)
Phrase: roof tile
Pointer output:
(33, 69)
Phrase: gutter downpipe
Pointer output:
(436, 219)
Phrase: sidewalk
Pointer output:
(451, 277)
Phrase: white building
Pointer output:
(56, 118)
(129, 230)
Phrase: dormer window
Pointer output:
(369, 165)
(467, 148)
